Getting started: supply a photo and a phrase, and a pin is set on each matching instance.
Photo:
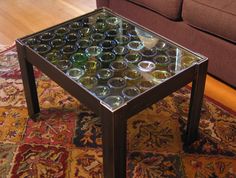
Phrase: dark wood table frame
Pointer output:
(114, 123)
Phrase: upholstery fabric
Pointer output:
(168, 8)
(102, 3)
(221, 53)
(217, 17)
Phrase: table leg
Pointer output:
(27, 74)
(114, 145)
(196, 100)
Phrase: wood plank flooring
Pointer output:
(21, 17)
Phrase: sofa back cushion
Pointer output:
(168, 8)
(217, 17)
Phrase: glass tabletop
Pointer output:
(113, 59)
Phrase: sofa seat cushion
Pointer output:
(168, 8)
(217, 17)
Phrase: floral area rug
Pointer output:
(66, 140)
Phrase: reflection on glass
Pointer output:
(161, 46)
(88, 82)
(111, 34)
(75, 73)
(133, 35)
(125, 26)
(132, 76)
(75, 26)
(93, 51)
(113, 21)
(69, 50)
(102, 15)
(79, 59)
(71, 37)
(161, 74)
(122, 39)
(86, 31)
(54, 57)
(174, 68)
(106, 58)
(148, 53)
(114, 101)
(120, 50)
(116, 84)
(104, 74)
(123, 32)
(133, 58)
(161, 61)
(102, 91)
(89, 21)
(145, 85)
(64, 65)
(118, 67)
(83, 44)
(61, 31)
(58, 43)
(97, 37)
(46, 37)
(31, 42)
(130, 92)
(91, 67)
(42, 49)
(174, 54)
(135, 45)
(100, 27)
(107, 45)
(187, 61)
(146, 66)
(148, 40)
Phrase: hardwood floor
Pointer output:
(221, 92)
(21, 17)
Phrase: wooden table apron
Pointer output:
(114, 123)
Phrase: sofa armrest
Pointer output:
(102, 3)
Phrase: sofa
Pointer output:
(205, 26)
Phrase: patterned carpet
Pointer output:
(66, 141)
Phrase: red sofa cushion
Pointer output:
(168, 8)
(217, 17)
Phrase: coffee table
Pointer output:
(115, 67)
